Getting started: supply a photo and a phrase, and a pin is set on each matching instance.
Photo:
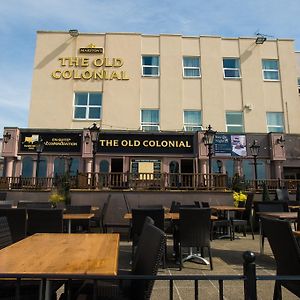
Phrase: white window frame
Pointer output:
(191, 68)
(150, 66)
(235, 125)
(232, 69)
(154, 125)
(275, 126)
(194, 127)
(87, 106)
(270, 70)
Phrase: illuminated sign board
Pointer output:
(53, 142)
(230, 145)
(146, 143)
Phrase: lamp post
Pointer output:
(94, 135)
(208, 139)
(254, 148)
(6, 137)
(39, 147)
(220, 165)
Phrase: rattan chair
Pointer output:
(16, 218)
(286, 253)
(5, 234)
(194, 232)
(44, 221)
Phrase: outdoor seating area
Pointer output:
(190, 250)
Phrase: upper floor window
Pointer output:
(192, 120)
(299, 85)
(150, 119)
(191, 66)
(275, 122)
(270, 69)
(150, 65)
(87, 106)
(231, 68)
(234, 122)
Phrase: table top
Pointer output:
(279, 215)
(51, 253)
(297, 233)
(78, 216)
(227, 207)
(168, 215)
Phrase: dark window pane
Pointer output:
(81, 98)
(94, 113)
(80, 113)
(95, 99)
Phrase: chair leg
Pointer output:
(277, 295)
(210, 258)
(180, 258)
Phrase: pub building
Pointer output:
(151, 98)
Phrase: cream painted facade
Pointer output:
(52, 100)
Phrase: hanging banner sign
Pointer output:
(53, 142)
(230, 145)
(146, 143)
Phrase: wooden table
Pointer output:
(227, 209)
(59, 254)
(168, 216)
(296, 233)
(71, 217)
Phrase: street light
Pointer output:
(39, 147)
(208, 139)
(94, 135)
(220, 165)
(254, 148)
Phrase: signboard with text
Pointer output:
(230, 145)
(146, 143)
(53, 142)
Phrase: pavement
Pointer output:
(227, 260)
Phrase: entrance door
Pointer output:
(187, 170)
(117, 173)
(117, 165)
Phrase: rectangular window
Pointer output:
(298, 85)
(150, 65)
(191, 67)
(87, 106)
(231, 68)
(192, 120)
(150, 119)
(234, 122)
(270, 69)
(275, 122)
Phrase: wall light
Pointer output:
(260, 39)
(280, 141)
(73, 32)
(6, 137)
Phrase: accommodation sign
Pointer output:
(146, 143)
(53, 142)
(230, 145)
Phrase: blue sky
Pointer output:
(20, 19)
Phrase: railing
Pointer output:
(249, 278)
(143, 181)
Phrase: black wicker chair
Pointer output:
(5, 234)
(243, 219)
(286, 253)
(79, 225)
(44, 221)
(138, 219)
(194, 232)
(16, 218)
(147, 258)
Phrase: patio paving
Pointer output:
(227, 260)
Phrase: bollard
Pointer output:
(250, 291)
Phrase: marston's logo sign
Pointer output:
(91, 49)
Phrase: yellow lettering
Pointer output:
(107, 63)
(62, 61)
(114, 75)
(73, 61)
(56, 74)
(118, 62)
(98, 62)
(124, 76)
(75, 75)
(84, 62)
(67, 74)
(87, 75)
